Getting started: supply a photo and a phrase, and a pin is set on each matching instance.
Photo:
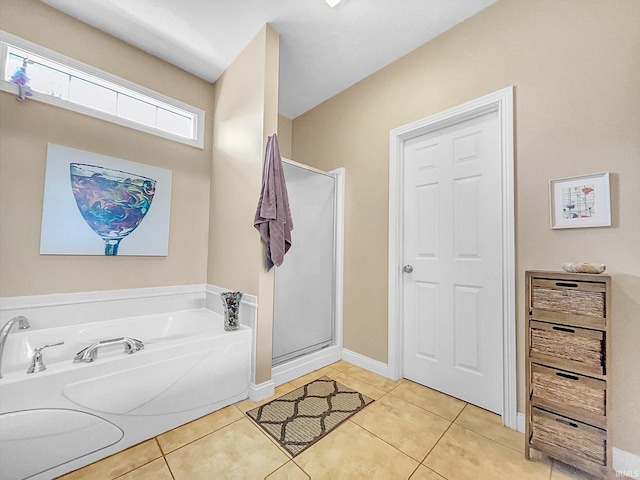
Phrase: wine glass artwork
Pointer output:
(112, 202)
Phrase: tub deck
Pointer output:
(73, 414)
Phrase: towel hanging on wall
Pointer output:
(273, 215)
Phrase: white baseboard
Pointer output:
(626, 463)
(520, 422)
(301, 366)
(367, 363)
(261, 391)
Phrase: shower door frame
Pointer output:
(297, 367)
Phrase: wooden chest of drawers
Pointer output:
(568, 388)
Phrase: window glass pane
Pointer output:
(53, 75)
(92, 95)
(48, 80)
(136, 110)
(13, 62)
(174, 123)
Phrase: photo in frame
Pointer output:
(580, 202)
(100, 205)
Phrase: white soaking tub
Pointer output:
(73, 414)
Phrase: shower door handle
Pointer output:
(407, 269)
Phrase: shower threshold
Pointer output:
(300, 353)
(287, 370)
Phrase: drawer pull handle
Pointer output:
(567, 422)
(566, 375)
(564, 284)
(564, 329)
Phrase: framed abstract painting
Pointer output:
(579, 202)
(100, 205)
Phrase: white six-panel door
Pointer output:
(452, 284)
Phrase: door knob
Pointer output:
(407, 269)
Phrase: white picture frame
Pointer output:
(580, 202)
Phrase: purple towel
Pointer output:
(273, 215)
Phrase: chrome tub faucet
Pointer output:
(37, 363)
(23, 324)
(90, 353)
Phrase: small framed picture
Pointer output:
(579, 202)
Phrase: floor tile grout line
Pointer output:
(300, 466)
(158, 443)
(426, 409)
(414, 471)
(440, 438)
(166, 462)
(289, 458)
(194, 421)
(372, 385)
(488, 438)
(384, 441)
(275, 470)
(200, 438)
(273, 440)
(282, 466)
(480, 433)
(451, 422)
(432, 470)
(164, 457)
(135, 468)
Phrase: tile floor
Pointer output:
(409, 432)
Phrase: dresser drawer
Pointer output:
(578, 396)
(569, 436)
(562, 297)
(567, 347)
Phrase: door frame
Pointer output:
(501, 102)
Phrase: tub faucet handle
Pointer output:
(37, 364)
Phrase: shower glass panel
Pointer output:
(304, 297)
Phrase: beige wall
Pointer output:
(25, 130)
(212, 238)
(285, 127)
(576, 68)
(246, 113)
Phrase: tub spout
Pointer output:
(23, 324)
(90, 353)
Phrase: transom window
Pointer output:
(62, 81)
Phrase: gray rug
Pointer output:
(300, 418)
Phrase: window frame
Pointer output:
(103, 79)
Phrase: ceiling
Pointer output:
(323, 50)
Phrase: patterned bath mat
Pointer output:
(300, 418)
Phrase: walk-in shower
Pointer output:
(308, 286)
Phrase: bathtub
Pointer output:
(73, 414)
